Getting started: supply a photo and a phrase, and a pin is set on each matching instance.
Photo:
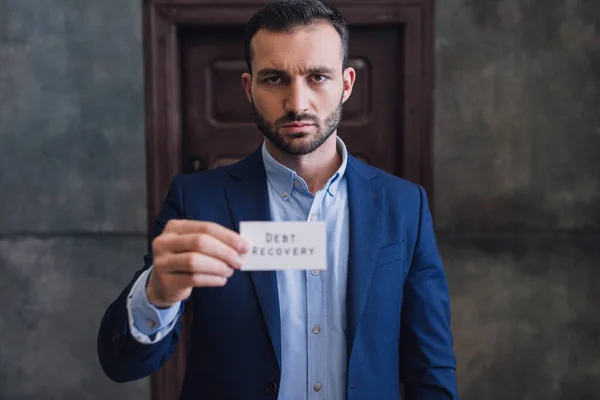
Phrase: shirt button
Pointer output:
(271, 387)
(317, 387)
(297, 183)
(313, 217)
(151, 324)
(315, 272)
(316, 329)
(285, 195)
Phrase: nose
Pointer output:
(297, 99)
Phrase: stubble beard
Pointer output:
(291, 143)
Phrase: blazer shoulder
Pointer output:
(395, 186)
(216, 178)
(205, 179)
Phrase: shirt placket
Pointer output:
(316, 317)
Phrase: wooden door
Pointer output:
(199, 117)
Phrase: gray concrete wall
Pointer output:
(72, 189)
(517, 148)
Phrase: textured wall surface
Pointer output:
(71, 115)
(525, 316)
(518, 115)
(53, 293)
(72, 187)
(517, 150)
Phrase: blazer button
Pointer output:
(271, 387)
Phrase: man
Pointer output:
(377, 317)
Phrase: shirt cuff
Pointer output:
(147, 323)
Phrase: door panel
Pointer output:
(218, 125)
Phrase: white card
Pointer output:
(283, 245)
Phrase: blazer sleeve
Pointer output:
(122, 357)
(427, 360)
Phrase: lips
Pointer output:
(297, 125)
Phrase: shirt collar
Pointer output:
(283, 178)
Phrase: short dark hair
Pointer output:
(288, 15)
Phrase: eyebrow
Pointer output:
(322, 70)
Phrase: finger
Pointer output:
(197, 242)
(226, 235)
(185, 281)
(192, 263)
(200, 243)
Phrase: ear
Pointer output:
(349, 78)
(247, 84)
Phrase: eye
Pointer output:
(272, 80)
(319, 78)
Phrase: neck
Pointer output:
(315, 168)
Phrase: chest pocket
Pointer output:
(390, 253)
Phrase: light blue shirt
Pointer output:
(312, 303)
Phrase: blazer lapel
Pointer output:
(365, 203)
(248, 200)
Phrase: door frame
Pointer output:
(161, 22)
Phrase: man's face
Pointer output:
(297, 86)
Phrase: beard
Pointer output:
(290, 143)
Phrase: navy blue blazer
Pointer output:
(397, 302)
